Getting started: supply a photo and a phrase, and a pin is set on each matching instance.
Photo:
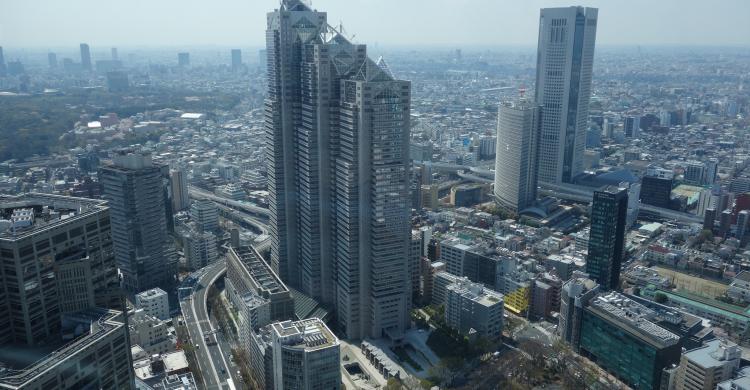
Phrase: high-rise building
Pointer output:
(338, 132)
(115, 56)
(52, 60)
(60, 279)
(85, 57)
(296, 355)
(183, 59)
(607, 236)
(205, 214)
(632, 126)
(134, 188)
(3, 69)
(517, 154)
(565, 57)
(58, 259)
(180, 194)
(236, 59)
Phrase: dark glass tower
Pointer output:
(606, 241)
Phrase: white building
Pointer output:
(301, 355)
(706, 366)
(151, 333)
(154, 302)
(471, 307)
(516, 158)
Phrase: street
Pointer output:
(213, 360)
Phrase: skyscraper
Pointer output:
(607, 236)
(338, 130)
(565, 57)
(134, 188)
(115, 57)
(183, 59)
(516, 154)
(85, 57)
(236, 59)
(180, 194)
(2, 62)
(59, 277)
(52, 60)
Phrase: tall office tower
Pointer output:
(296, 355)
(607, 236)
(115, 57)
(3, 70)
(183, 59)
(565, 58)
(180, 194)
(85, 57)
(59, 274)
(712, 171)
(52, 60)
(517, 154)
(236, 59)
(632, 126)
(134, 189)
(338, 131)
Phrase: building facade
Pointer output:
(607, 236)
(350, 151)
(565, 58)
(134, 188)
(516, 159)
(470, 306)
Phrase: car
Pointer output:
(197, 346)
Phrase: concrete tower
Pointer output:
(516, 154)
(565, 58)
(338, 129)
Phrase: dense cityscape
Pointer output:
(319, 214)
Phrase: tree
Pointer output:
(660, 298)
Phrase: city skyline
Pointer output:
(700, 23)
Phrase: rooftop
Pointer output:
(714, 354)
(48, 211)
(310, 335)
(100, 322)
(636, 318)
(258, 269)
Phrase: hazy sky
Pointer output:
(55, 23)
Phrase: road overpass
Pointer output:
(260, 212)
(586, 194)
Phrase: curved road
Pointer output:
(212, 360)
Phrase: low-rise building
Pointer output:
(704, 367)
(154, 302)
(470, 307)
